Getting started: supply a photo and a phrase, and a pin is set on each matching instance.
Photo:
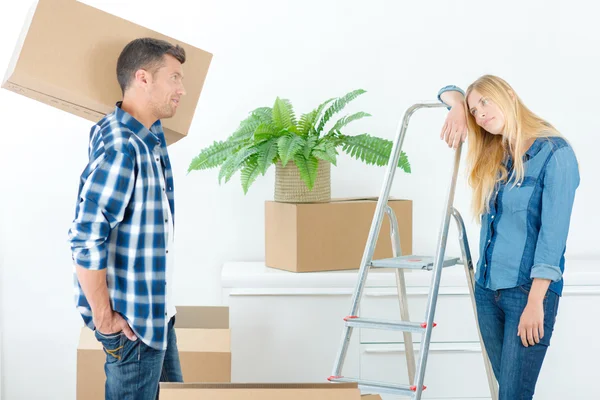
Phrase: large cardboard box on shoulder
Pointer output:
(203, 340)
(260, 391)
(311, 237)
(67, 56)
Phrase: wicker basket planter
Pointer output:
(290, 188)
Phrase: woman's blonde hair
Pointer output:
(487, 152)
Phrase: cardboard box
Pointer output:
(67, 55)
(331, 236)
(241, 391)
(203, 340)
(370, 397)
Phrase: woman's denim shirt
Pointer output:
(524, 234)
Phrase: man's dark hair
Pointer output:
(144, 53)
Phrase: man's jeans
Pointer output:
(134, 370)
(516, 367)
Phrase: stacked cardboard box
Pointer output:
(203, 340)
(312, 237)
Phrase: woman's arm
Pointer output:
(561, 180)
(454, 131)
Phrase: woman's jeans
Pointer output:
(516, 367)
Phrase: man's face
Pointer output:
(166, 88)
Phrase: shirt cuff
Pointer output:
(92, 259)
(545, 271)
(449, 88)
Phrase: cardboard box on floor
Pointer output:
(311, 237)
(203, 340)
(258, 391)
(67, 55)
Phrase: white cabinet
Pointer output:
(286, 327)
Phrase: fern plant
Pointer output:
(272, 134)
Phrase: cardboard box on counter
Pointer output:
(260, 391)
(311, 237)
(67, 55)
(203, 340)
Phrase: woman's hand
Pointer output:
(454, 131)
(531, 325)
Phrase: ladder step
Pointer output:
(379, 387)
(412, 262)
(405, 326)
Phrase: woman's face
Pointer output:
(486, 113)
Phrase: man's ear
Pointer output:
(142, 77)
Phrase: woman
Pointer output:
(524, 175)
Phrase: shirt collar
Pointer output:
(529, 154)
(534, 148)
(151, 137)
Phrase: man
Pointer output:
(122, 234)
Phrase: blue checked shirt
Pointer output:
(524, 234)
(121, 222)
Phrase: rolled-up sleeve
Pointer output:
(560, 183)
(449, 88)
(102, 202)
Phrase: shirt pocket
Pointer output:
(516, 199)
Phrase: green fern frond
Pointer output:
(264, 114)
(337, 106)
(283, 114)
(265, 131)
(213, 155)
(306, 123)
(245, 129)
(267, 152)
(250, 172)
(321, 107)
(289, 145)
(346, 120)
(372, 150)
(308, 169)
(326, 151)
(309, 145)
(235, 162)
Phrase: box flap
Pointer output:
(332, 386)
(365, 198)
(203, 340)
(370, 397)
(210, 317)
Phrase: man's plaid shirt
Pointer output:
(121, 222)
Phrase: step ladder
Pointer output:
(399, 263)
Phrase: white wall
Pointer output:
(307, 51)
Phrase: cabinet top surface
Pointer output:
(581, 272)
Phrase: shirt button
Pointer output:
(166, 220)
(492, 217)
(164, 190)
(490, 241)
(157, 159)
(167, 251)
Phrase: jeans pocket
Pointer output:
(112, 345)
